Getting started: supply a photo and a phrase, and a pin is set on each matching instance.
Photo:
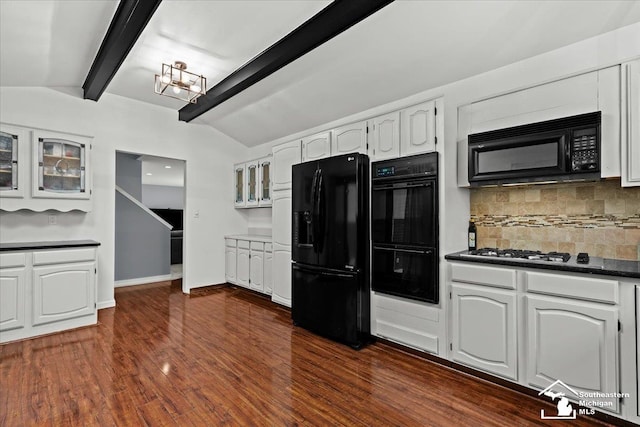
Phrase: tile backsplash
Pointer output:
(600, 218)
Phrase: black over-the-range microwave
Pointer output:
(566, 149)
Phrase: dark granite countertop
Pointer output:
(59, 244)
(596, 265)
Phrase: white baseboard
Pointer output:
(141, 280)
(106, 304)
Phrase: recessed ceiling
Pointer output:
(162, 171)
(405, 48)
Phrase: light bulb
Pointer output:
(176, 90)
(195, 88)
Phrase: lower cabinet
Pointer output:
(46, 291)
(281, 275)
(575, 342)
(484, 329)
(248, 263)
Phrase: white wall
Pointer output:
(163, 197)
(118, 123)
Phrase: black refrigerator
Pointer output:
(330, 248)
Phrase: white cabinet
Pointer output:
(243, 265)
(14, 160)
(230, 255)
(418, 133)
(44, 170)
(256, 267)
(484, 328)
(268, 268)
(63, 292)
(284, 157)
(630, 149)
(265, 170)
(316, 146)
(12, 290)
(572, 341)
(251, 178)
(351, 138)
(384, 136)
(282, 247)
(45, 291)
(239, 188)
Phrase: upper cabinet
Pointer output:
(14, 152)
(384, 133)
(630, 149)
(316, 146)
(252, 183)
(284, 157)
(349, 139)
(418, 129)
(55, 166)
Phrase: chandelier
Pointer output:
(176, 82)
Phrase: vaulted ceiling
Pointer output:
(405, 48)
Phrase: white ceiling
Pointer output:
(405, 48)
(156, 172)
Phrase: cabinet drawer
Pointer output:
(243, 244)
(15, 259)
(63, 256)
(268, 247)
(482, 275)
(257, 246)
(585, 288)
(230, 243)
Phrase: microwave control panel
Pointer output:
(584, 150)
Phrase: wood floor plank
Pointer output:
(226, 356)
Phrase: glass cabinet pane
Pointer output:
(61, 166)
(253, 177)
(8, 161)
(266, 181)
(239, 185)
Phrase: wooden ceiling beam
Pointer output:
(127, 24)
(326, 24)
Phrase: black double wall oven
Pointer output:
(404, 218)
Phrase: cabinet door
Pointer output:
(14, 160)
(268, 272)
(63, 292)
(251, 170)
(281, 275)
(256, 281)
(239, 188)
(284, 157)
(265, 182)
(484, 329)
(418, 129)
(61, 167)
(384, 132)
(230, 264)
(349, 139)
(281, 218)
(12, 294)
(242, 273)
(572, 341)
(316, 146)
(631, 124)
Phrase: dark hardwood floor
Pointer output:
(225, 356)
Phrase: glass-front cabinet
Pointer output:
(61, 166)
(239, 188)
(252, 184)
(265, 181)
(14, 161)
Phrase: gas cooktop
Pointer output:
(520, 254)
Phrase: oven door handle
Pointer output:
(412, 251)
(400, 186)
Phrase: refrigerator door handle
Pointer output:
(314, 221)
(320, 215)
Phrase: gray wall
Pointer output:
(129, 174)
(162, 196)
(142, 243)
